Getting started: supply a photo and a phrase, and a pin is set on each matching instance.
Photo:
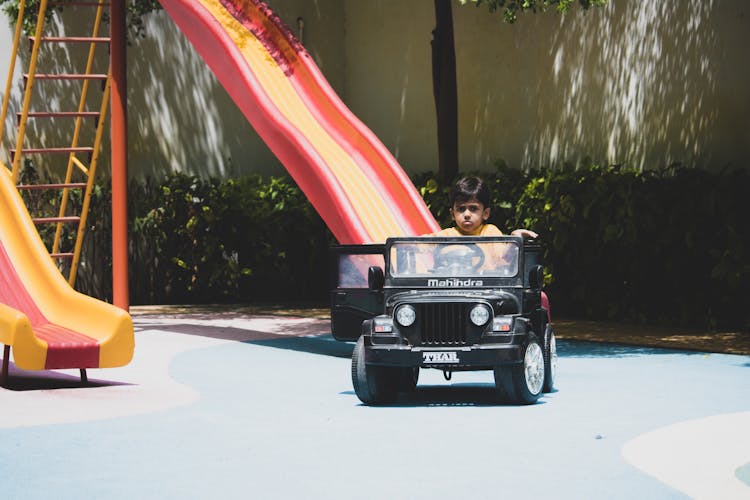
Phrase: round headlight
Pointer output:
(479, 315)
(406, 315)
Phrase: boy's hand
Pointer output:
(525, 233)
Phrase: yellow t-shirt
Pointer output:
(483, 230)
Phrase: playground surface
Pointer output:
(257, 402)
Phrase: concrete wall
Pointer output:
(179, 116)
(637, 83)
(181, 119)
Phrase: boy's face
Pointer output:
(469, 215)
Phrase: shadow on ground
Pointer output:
(323, 343)
(318, 344)
(469, 394)
(23, 380)
(327, 345)
(303, 341)
(589, 349)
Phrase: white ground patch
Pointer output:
(698, 457)
(143, 386)
(275, 324)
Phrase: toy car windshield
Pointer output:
(454, 258)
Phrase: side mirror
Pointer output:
(536, 277)
(375, 278)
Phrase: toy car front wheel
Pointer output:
(406, 378)
(522, 383)
(550, 359)
(372, 384)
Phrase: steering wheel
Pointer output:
(459, 257)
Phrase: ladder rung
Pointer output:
(55, 220)
(66, 255)
(58, 114)
(67, 76)
(80, 4)
(73, 39)
(37, 187)
(52, 150)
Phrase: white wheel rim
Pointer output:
(533, 364)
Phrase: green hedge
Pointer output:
(208, 241)
(666, 247)
(226, 241)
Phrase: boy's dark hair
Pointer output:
(470, 187)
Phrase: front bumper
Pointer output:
(476, 357)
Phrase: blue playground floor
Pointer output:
(254, 406)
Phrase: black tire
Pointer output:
(522, 383)
(372, 384)
(550, 359)
(506, 393)
(405, 379)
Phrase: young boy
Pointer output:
(470, 208)
(470, 202)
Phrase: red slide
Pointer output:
(351, 179)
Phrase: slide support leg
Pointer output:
(6, 362)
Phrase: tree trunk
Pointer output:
(444, 90)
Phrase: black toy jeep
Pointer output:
(462, 303)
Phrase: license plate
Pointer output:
(439, 357)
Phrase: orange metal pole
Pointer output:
(119, 132)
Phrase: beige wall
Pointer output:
(179, 116)
(637, 83)
(181, 119)
(388, 76)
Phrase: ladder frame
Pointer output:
(74, 163)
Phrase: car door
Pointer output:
(352, 301)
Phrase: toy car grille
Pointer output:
(443, 324)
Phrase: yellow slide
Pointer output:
(47, 323)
